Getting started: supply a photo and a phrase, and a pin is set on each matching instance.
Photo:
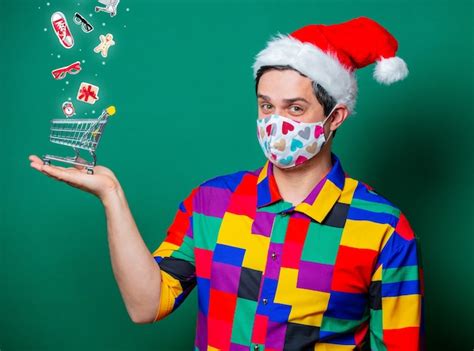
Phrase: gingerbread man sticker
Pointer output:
(106, 41)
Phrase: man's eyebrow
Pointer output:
(267, 98)
(264, 97)
(296, 99)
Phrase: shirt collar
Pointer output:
(319, 201)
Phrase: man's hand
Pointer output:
(101, 183)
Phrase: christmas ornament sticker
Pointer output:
(106, 41)
(68, 109)
(61, 28)
(85, 25)
(110, 7)
(88, 93)
(73, 68)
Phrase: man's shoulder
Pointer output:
(372, 203)
(368, 204)
(231, 180)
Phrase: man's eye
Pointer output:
(296, 108)
(266, 106)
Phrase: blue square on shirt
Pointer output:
(228, 254)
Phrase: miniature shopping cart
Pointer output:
(79, 134)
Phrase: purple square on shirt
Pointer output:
(212, 201)
(201, 331)
(225, 277)
(315, 276)
(238, 347)
(272, 269)
(263, 223)
(275, 335)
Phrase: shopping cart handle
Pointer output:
(110, 110)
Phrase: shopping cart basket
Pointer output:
(82, 134)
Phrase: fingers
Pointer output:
(80, 167)
(59, 173)
(35, 158)
(38, 164)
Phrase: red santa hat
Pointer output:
(329, 55)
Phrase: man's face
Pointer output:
(288, 94)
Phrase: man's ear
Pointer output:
(339, 116)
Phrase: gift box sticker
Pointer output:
(88, 93)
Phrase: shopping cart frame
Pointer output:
(80, 134)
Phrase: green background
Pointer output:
(180, 76)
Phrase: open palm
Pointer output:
(100, 183)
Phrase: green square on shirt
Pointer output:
(280, 225)
(186, 250)
(245, 314)
(205, 231)
(276, 207)
(321, 243)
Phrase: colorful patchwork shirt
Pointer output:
(341, 270)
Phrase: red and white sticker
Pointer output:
(68, 109)
(88, 93)
(61, 28)
(73, 68)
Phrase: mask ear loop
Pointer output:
(329, 115)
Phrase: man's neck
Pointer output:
(297, 182)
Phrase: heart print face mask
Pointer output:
(288, 143)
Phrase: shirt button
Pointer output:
(256, 347)
(265, 301)
(274, 255)
(284, 213)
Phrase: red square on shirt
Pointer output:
(291, 254)
(222, 305)
(203, 262)
(220, 334)
(260, 329)
(297, 230)
(403, 339)
(353, 269)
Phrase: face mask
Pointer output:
(288, 143)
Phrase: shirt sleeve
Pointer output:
(397, 292)
(175, 256)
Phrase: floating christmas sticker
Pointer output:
(85, 25)
(73, 68)
(110, 7)
(88, 93)
(61, 28)
(106, 41)
(68, 109)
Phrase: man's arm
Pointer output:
(135, 270)
(175, 256)
(397, 293)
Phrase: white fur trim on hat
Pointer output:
(390, 70)
(322, 67)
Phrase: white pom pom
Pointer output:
(390, 70)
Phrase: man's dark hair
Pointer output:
(326, 100)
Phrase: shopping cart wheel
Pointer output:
(90, 171)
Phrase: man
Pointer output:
(294, 255)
